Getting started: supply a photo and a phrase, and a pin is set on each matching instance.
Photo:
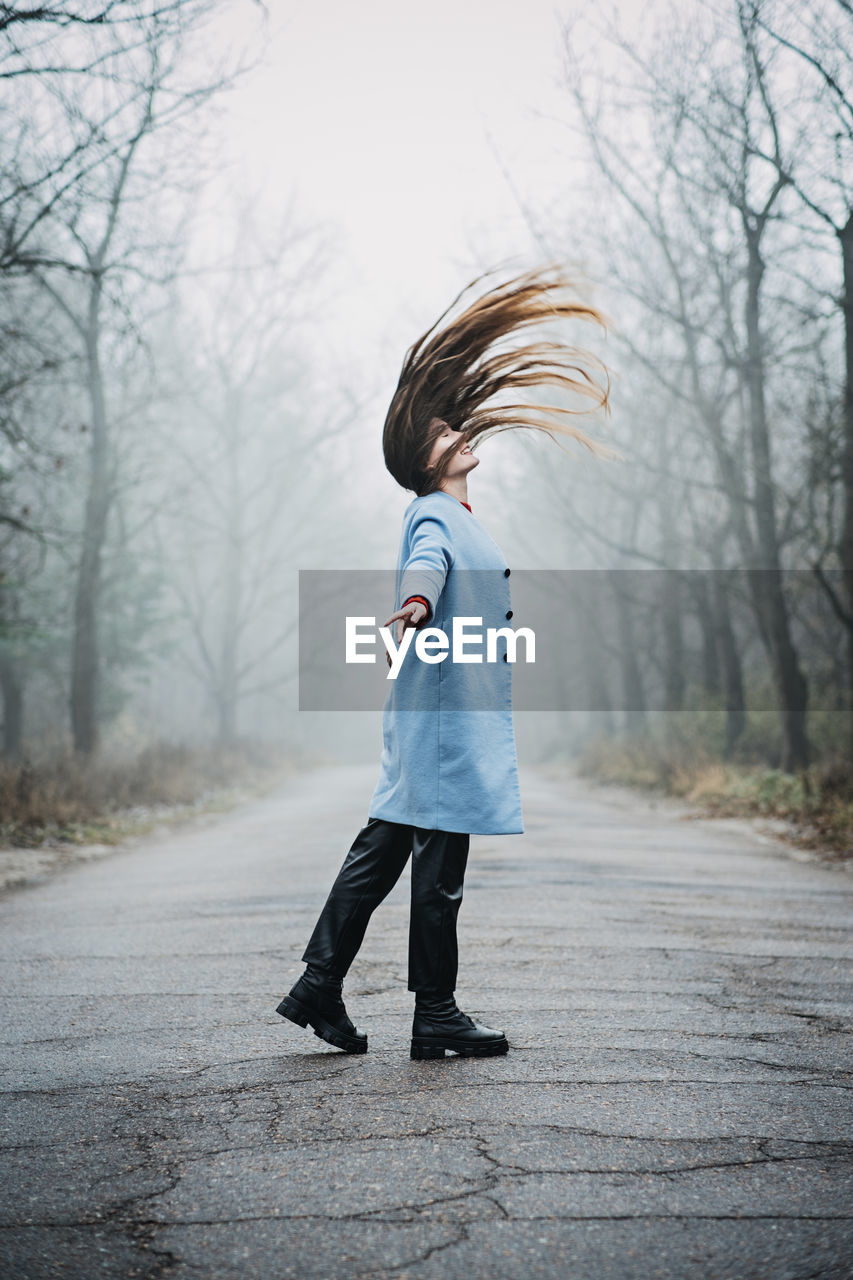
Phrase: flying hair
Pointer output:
(475, 373)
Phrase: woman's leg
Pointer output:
(372, 867)
(439, 859)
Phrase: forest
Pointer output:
(174, 448)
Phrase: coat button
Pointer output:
(506, 573)
(509, 614)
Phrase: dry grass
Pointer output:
(816, 803)
(70, 800)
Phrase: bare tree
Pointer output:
(61, 117)
(818, 40)
(250, 454)
(73, 227)
(707, 200)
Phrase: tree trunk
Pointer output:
(591, 634)
(232, 579)
(730, 660)
(673, 642)
(845, 550)
(711, 675)
(84, 662)
(766, 582)
(13, 708)
(632, 679)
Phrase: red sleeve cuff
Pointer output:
(422, 601)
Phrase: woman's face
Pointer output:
(462, 462)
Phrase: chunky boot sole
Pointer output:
(302, 1015)
(436, 1046)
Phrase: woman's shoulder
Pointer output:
(437, 503)
(432, 516)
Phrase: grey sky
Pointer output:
(389, 123)
(381, 117)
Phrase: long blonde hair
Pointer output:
(469, 373)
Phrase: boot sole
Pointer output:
(436, 1048)
(303, 1017)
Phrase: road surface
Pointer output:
(675, 1102)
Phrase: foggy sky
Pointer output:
(391, 124)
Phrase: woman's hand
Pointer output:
(411, 615)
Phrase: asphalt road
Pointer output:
(675, 1101)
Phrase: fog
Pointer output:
(222, 226)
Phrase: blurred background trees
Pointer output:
(139, 392)
(180, 431)
(718, 165)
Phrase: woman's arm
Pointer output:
(429, 560)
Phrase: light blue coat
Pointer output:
(449, 758)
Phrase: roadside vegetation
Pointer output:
(72, 800)
(815, 804)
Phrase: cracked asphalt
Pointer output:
(675, 1102)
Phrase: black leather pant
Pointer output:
(372, 867)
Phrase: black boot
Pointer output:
(439, 1025)
(316, 999)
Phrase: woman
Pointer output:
(448, 766)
